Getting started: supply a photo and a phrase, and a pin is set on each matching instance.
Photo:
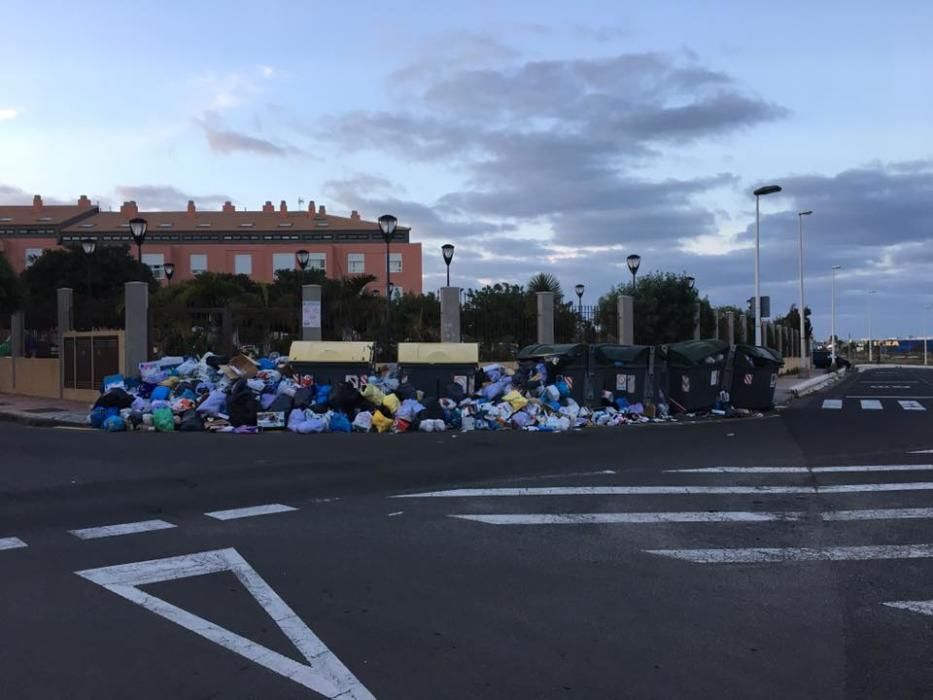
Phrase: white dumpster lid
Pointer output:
(331, 351)
(438, 353)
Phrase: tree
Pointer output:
(545, 282)
(416, 318)
(97, 281)
(11, 289)
(663, 308)
(792, 320)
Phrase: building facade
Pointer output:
(256, 243)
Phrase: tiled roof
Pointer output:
(48, 215)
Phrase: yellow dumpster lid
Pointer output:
(331, 351)
(438, 353)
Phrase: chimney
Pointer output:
(311, 208)
(267, 208)
(84, 202)
(354, 215)
(228, 207)
(283, 208)
(37, 203)
(322, 211)
(129, 208)
(191, 208)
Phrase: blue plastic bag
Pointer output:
(339, 423)
(563, 388)
(161, 393)
(101, 414)
(114, 424)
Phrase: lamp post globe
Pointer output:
(691, 282)
(88, 245)
(302, 257)
(634, 262)
(169, 270)
(138, 228)
(448, 251)
(387, 224)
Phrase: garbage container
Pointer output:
(631, 372)
(754, 376)
(695, 373)
(431, 367)
(570, 361)
(333, 362)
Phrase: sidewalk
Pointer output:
(29, 410)
(783, 391)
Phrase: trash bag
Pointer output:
(453, 391)
(188, 368)
(303, 398)
(98, 415)
(114, 381)
(406, 391)
(161, 393)
(242, 405)
(190, 422)
(373, 394)
(164, 420)
(114, 424)
(432, 410)
(339, 423)
(115, 398)
(363, 422)
(345, 398)
(298, 422)
(381, 422)
(408, 410)
(282, 404)
(515, 400)
(391, 402)
(214, 404)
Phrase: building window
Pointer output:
(155, 261)
(282, 261)
(243, 264)
(198, 264)
(32, 254)
(395, 262)
(317, 261)
(356, 263)
(397, 292)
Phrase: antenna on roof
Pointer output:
(301, 202)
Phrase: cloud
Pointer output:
(222, 139)
(167, 197)
(12, 195)
(7, 113)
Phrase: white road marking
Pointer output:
(249, 512)
(572, 474)
(871, 405)
(832, 403)
(889, 397)
(924, 607)
(807, 470)
(921, 452)
(899, 381)
(912, 405)
(396, 513)
(879, 514)
(629, 518)
(669, 490)
(93, 533)
(323, 673)
(771, 555)
(11, 543)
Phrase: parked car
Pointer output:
(822, 360)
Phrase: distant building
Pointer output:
(255, 243)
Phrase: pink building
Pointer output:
(255, 243)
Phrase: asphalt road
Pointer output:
(481, 565)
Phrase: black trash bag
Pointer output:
(454, 392)
(281, 404)
(345, 398)
(320, 409)
(303, 398)
(242, 404)
(406, 391)
(190, 422)
(215, 361)
(115, 398)
(432, 410)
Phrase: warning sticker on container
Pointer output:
(748, 379)
(631, 384)
(621, 382)
(461, 379)
(357, 381)
(714, 378)
(685, 384)
(568, 381)
(773, 380)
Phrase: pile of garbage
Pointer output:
(246, 395)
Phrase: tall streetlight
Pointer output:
(804, 357)
(760, 192)
(88, 245)
(832, 336)
(302, 257)
(926, 334)
(579, 290)
(633, 262)
(870, 292)
(448, 250)
(169, 270)
(691, 282)
(138, 232)
(387, 224)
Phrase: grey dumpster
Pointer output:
(631, 372)
(695, 373)
(333, 362)
(754, 376)
(570, 361)
(433, 367)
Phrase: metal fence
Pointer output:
(222, 330)
(586, 324)
(499, 337)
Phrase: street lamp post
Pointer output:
(832, 336)
(760, 192)
(448, 250)
(870, 292)
(302, 257)
(633, 262)
(89, 245)
(926, 335)
(138, 232)
(691, 282)
(387, 224)
(804, 357)
(579, 290)
(169, 269)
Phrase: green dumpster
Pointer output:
(569, 361)
(695, 373)
(629, 372)
(330, 362)
(754, 376)
(433, 367)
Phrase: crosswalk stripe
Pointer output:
(251, 511)
(806, 470)
(879, 514)
(832, 403)
(773, 555)
(11, 543)
(93, 533)
(871, 405)
(924, 607)
(912, 406)
(669, 490)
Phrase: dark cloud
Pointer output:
(168, 198)
(222, 139)
(10, 194)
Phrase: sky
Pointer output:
(535, 136)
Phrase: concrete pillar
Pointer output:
(626, 320)
(311, 312)
(780, 340)
(17, 333)
(545, 317)
(716, 320)
(696, 320)
(66, 307)
(450, 314)
(136, 326)
(743, 328)
(730, 327)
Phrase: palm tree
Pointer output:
(545, 282)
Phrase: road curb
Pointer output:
(887, 366)
(38, 421)
(809, 386)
